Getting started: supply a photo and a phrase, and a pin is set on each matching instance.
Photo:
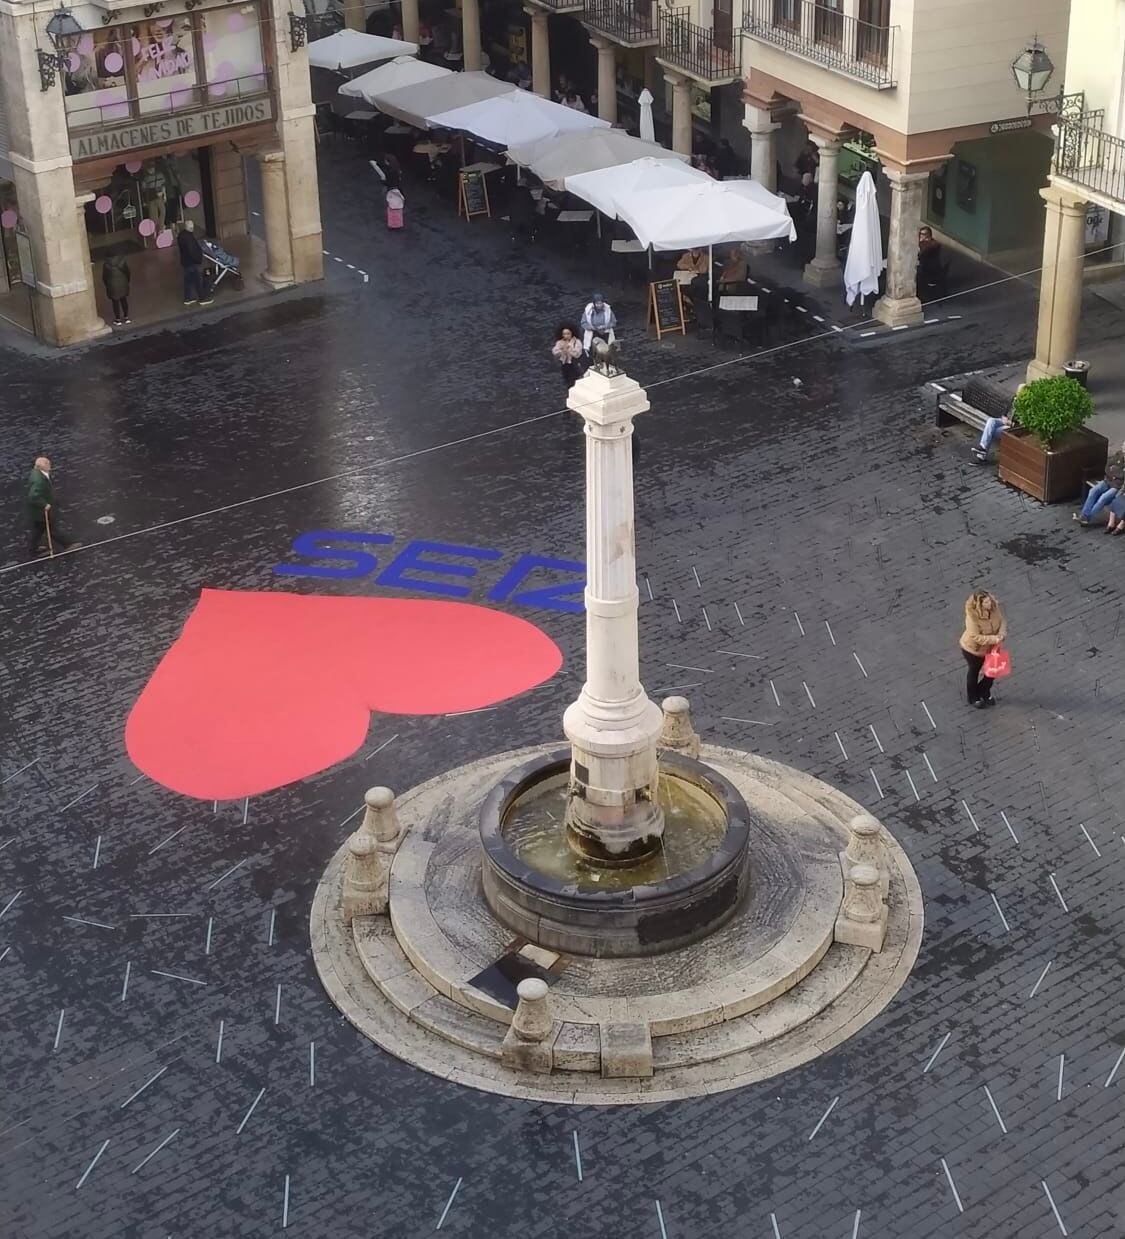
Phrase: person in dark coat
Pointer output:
(42, 511)
(191, 259)
(116, 277)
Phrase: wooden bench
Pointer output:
(979, 400)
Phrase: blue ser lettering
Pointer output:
(319, 544)
(557, 597)
(395, 574)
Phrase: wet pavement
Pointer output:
(170, 1064)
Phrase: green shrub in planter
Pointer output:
(1049, 408)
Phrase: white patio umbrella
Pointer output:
(710, 213)
(512, 119)
(864, 264)
(556, 159)
(413, 105)
(647, 131)
(348, 48)
(400, 72)
(602, 187)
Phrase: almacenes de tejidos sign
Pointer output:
(170, 129)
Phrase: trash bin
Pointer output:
(1077, 370)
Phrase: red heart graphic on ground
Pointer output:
(264, 689)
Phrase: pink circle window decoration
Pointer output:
(136, 46)
(103, 205)
(235, 22)
(164, 240)
(133, 167)
(192, 198)
(146, 227)
(73, 62)
(218, 89)
(114, 62)
(9, 219)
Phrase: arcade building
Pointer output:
(120, 124)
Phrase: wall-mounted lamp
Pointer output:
(1032, 70)
(61, 26)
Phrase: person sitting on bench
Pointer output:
(1105, 492)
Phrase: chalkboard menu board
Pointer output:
(472, 194)
(665, 307)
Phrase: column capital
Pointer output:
(678, 81)
(81, 201)
(827, 143)
(600, 42)
(535, 12)
(901, 179)
(271, 156)
(1063, 200)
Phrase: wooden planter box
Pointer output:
(1055, 475)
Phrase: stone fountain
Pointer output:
(631, 918)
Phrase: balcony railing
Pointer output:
(632, 23)
(824, 36)
(562, 6)
(1090, 158)
(152, 108)
(698, 50)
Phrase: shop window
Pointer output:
(163, 52)
(95, 85)
(232, 53)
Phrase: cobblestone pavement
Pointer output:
(170, 1065)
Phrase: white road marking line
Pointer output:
(159, 916)
(855, 1228)
(1054, 1207)
(477, 710)
(80, 921)
(350, 266)
(1090, 841)
(285, 1206)
(840, 742)
(1058, 892)
(757, 721)
(175, 976)
(577, 1156)
(860, 665)
(929, 716)
(695, 574)
(992, 1103)
(58, 1030)
(97, 852)
(277, 1007)
(19, 771)
(903, 327)
(736, 654)
(145, 1161)
(706, 619)
(168, 840)
(86, 1172)
(824, 1116)
(7, 842)
(910, 780)
(864, 334)
(312, 1064)
(273, 922)
(799, 624)
(808, 694)
(246, 1116)
(1009, 826)
(739, 614)
(776, 698)
(830, 636)
(773, 1223)
(379, 749)
(1109, 1078)
(3, 953)
(1007, 927)
(648, 586)
(879, 742)
(818, 318)
(219, 1044)
(677, 610)
(12, 901)
(681, 667)
(73, 802)
(125, 983)
(660, 1219)
(933, 1056)
(1035, 987)
(802, 309)
(245, 810)
(953, 1187)
(1059, 1090)
(207, 943)
(134, 1096)
(929, 767)
(134, 782)
(222, 876)
(971, 818)
(448, 1205)
(874, 776)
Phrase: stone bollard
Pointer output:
(863, 915)
(677, 732)
(865, 847)
(380, 820)
(529, 1042)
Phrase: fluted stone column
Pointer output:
(900, 305)
(470, 34)
(540, 51)
(762, 128)
(1060, 289)
(613, 727)
(410, 20)
(824, 270)
(275, 215)
(681, 112)
(607, 78)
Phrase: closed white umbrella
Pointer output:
(400, 72)
(556, 159)
(647, 131)
(348, 48)
(864, 264)
(602, 187)
(516, 118)
(414, 104)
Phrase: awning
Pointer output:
(603, 187)
(514, 118)
(400, 72)
(414, 104)
(711, 213)
(348, 48)
(555, 159)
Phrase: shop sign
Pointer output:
(1009, 126)
(176, 128)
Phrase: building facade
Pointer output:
(118, 125)
(1085, 200)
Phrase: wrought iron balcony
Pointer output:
(822, 35)
(706, 53)
(1090, 158)
(630, 23)
(561, 6)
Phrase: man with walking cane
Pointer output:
(43, 513)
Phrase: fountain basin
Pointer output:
(557, 900)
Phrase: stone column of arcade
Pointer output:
(613, 727)
(762, 128)
(607, 78)
(900, 305)
(470, 35)
(275, 214)
(540, 51)
(824, 270)
(681, 112)
(410, 20)
(1060, 289)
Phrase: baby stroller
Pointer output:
(219, 264)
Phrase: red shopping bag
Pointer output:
(997, 663)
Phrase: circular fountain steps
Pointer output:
(765, 992)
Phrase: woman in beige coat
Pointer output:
(985, 628)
